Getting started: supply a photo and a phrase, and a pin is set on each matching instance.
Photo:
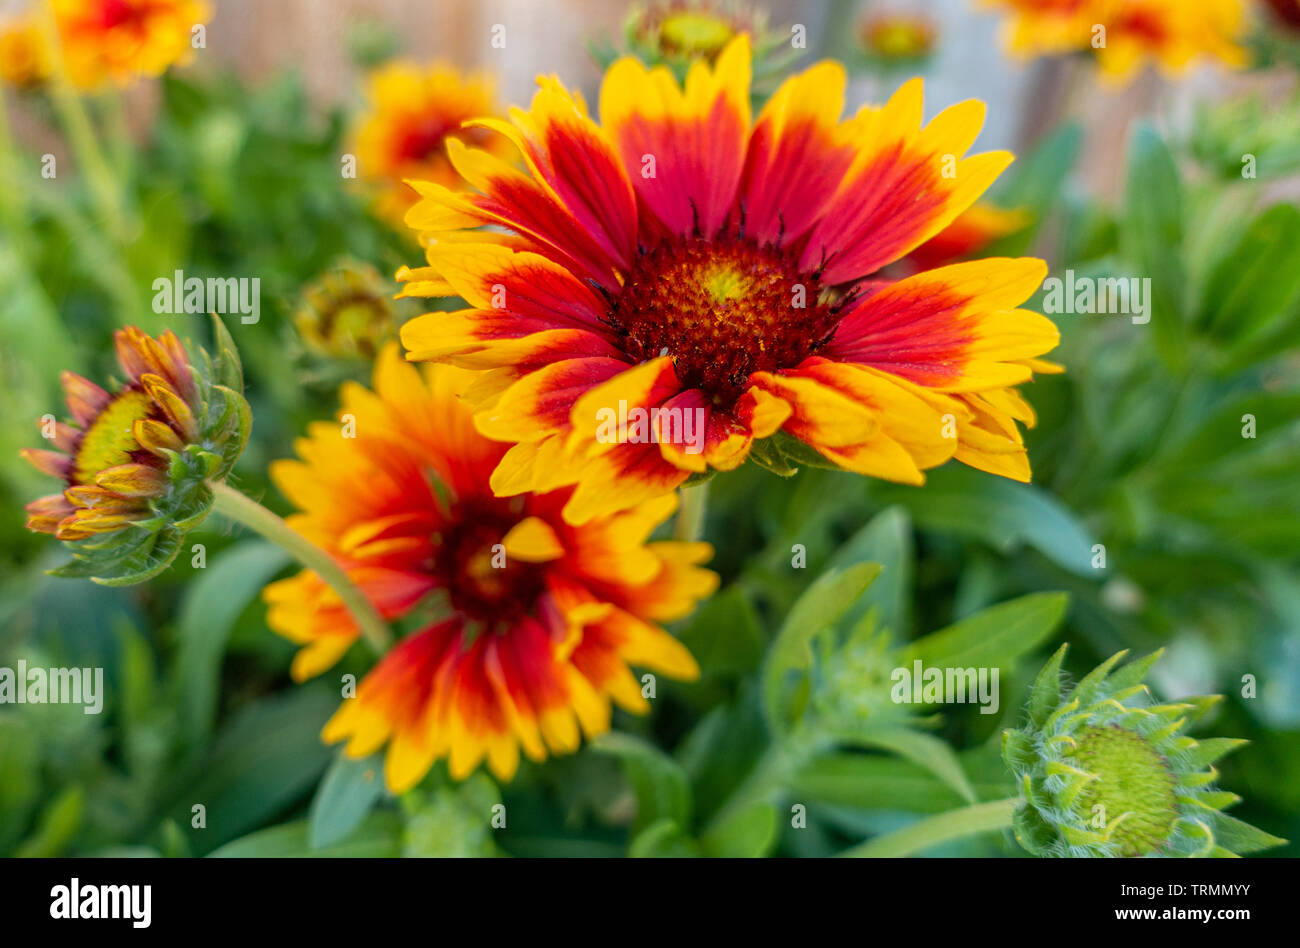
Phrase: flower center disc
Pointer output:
(482, 581)
(695, 33)
(721, 310)
(110, 438)
(1132, 778)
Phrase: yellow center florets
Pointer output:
(1134, 791)
(110, 438)
(695, 33)
(483, 583)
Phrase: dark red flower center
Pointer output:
(482, 582)
(722, 308)
(423, 138)
(420, 139)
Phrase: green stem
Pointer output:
(943, 828)
(690, 516)
(81, 135)
(119, 136)
(772, 774)
(235, 506)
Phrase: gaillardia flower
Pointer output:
(539, 619)
(1124, 35)
(24, 58)
(136, 462)
(413, 111)
(682, 264)
(1103, 772)
(120, 40)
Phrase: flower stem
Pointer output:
(104, 187)
(690, 516)
(235, 506)
(942, 828)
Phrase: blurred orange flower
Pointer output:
(1127, 34)
(414, 110)
(119, 40)
(24, 57)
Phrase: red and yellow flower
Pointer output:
(112, 456)
(119, 40)
(24, 57)
(680, 256)
(135, 463)
(414, 110)
(1172, 34)
(540, 619)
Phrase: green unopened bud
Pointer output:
(1103, 771)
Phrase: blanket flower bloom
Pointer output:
(119, 40)
(413, 111)
(682, 263)
(135, 463)
(539, 620)
(1124, 35)
(24, 59)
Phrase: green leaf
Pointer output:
(887, 540)
(991, 638)
(1210, 749)
(268, 756)
(1034, 183)
(1257, 282)
(724, 634)
(873, 782)
(799, 454)
(662, 788)
(212, 603)
(376, 838)
(1003, 513)
(345, 796)
(1046, 693)
(934, 830)
(20, 787)
(1241, 837)
(820, 606)
(924, 750)
(57, 825)
(663, 839)
(1088, 689)
(748, 833)
(1151, 237)
(229, 368)
(768, 456)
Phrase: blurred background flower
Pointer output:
(412, 111)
